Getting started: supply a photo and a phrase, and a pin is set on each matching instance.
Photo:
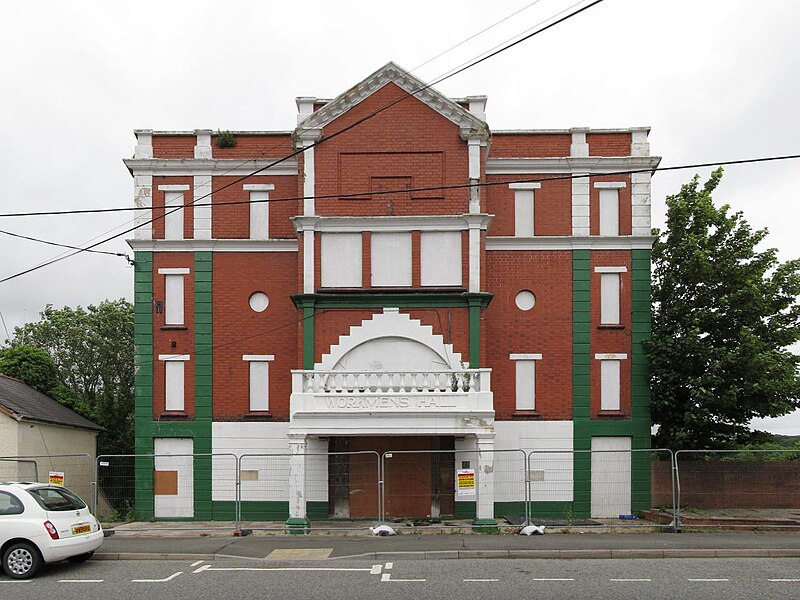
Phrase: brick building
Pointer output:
(326, 315)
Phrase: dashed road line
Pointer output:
(784, 580)
(709, 580)
(324, 569)
(480, 580)
(553, 579)
(376, 570)
(388, 577)
(81, 580)
(630, 580)
(16, 580)
(171, 577)
(197, 562)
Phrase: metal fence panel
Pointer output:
(423, 485)
(167, 491)
(77, 471)
(600, 487)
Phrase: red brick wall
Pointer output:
(164, 336)
(609, 144)
(174, 146)
(546, 329)
(530, 145)
(255, 146)
(230, 220)
(158, 206)
(625, 219)
(238, 330)
(606, 339)
(409, 144)
(552, 213)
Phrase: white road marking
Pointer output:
(197, 562)
(480, 580)
(553, 579)
(173, 576)
(389, 566)
(210, 568)
(80, 581)
(709, 580)
(201, 569)
(16, 580)
(785, 580)
(626, 580)
(388, 577)
(376, 570)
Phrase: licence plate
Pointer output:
(79, 529)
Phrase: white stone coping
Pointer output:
(258, 357)
(611, 356)
(525, 356)
(174, 271)
(174, 357)
(611, 269)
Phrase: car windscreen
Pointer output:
(56, 499)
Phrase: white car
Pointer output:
(42, 523)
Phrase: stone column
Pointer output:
(484, 509)
(298, 522)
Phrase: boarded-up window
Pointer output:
(165, 483)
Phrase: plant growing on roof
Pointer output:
(226, 139)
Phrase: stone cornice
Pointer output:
(592, 164)
(506, 243)
(394, 223)
(391, 73)
(278, 245)
(216, 167)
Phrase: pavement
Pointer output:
(128, 542)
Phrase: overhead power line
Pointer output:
(429, 188)
(315, 143)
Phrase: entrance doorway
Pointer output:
(416, 485)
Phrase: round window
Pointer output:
(525, 300)
(259, 301)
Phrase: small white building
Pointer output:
(53, 437)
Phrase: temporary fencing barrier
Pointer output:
(586, 488)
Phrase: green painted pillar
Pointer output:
(474, 333)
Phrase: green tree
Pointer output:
(92, 350)
(724, 315)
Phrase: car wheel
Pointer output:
(81, 557)
(21, 560)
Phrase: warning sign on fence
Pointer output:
(56, 477)
(465, 482)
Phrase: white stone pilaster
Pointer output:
(580, 206)
(485, 500)
(308, 261)
(640, 204)
(579, 147)
(639, 144)
(143, 198)
(297, 476)
(202, 148)
(144, 143)
(202, 205)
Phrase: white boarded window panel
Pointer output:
(609, 385)
(391, 259)
(341, 260)
(259, 385)
(259, 215)
(609, 299)
(174, 390)
(526, 384)
(440, 254)
(609, 212)
(173, 301)
(523, 213)
(173, 219)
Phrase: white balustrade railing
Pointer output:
(390, 382)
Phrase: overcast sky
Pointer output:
(716, 80)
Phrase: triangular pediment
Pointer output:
(391, 73)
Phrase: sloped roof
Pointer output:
(391, 73)
(28, 404)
